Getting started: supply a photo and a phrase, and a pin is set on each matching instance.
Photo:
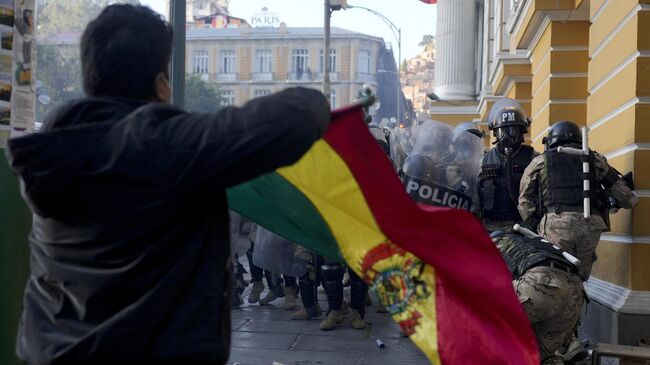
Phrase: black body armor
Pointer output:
(499, 183)
(522, 253)
(562, 180)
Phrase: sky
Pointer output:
(414, 17)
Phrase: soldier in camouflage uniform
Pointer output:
(548, 287)
(551, 195)
(503, 165)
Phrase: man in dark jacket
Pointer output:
(129, 247)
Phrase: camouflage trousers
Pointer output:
(504, 226)
(574, 233)
(553, 300)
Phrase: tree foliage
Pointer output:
(201, 96)
(428, 42)
(58, 78)
(59, 16)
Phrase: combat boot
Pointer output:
(289, 298)
(333, 319)
(576, 351)
(305, 314)
(258, 288)
(270, 296)
(356, 321)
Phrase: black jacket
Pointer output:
(129, 245)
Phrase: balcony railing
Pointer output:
(262, 76)
(226, 77)
(364, 77)
(334, 76)
(300, 76)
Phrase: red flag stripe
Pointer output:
(429, 1)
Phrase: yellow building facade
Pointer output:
(589, 62)
(250, 62)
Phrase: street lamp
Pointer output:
(397, 33)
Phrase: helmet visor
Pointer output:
(514, 133)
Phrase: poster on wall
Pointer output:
(7, 19)
(22, 91)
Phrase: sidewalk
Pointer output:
(264, 334)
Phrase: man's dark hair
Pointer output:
(123, 50)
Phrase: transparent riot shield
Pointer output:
(443, 167)
(278, 255)
(401, 145)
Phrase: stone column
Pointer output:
(455, 71)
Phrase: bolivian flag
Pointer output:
(435, 269)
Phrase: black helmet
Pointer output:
(509, 123)
(471, 128)
(507, 113)
(422, 167)
(561, 133)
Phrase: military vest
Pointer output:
(499, 183)
(562, 182)
(522, 253)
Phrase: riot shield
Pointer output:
(278, 255)
(443, 167)
(401, 145)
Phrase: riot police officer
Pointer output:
(332, 280)
(503, 166)
(549, 288)
(552, 194)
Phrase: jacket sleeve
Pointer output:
(236, 144)
(625, 197)
(529, 188)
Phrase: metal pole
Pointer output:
(326, 53)
(394, 29)
(177, 69)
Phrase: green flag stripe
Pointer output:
(273, 202)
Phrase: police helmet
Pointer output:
(562, 133)
(509, 123)
(470, 127)
(420, 166)
(507, 112)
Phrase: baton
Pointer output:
(530, 234)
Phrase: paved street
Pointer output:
(262, 335)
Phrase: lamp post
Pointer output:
(397, 33)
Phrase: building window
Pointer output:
(227, 61)
(300, 63)
(227, 97)
(200, 62)
(332, 99)
(364, 62)
(263, 61)
(332, 61)
(259, 93)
